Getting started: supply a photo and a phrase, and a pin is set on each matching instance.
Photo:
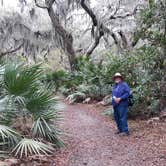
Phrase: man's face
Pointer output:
(118, 79)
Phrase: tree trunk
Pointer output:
(66, 37)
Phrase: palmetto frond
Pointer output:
(28, 147)
(48, 115)
(9, 108)
(39, 101)
(8, 136)
(42, 128)
(2, 68)
(19, 79)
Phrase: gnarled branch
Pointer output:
(129, 14)
(11, 51)
(94, 45)
(99, 28)
(90, 12)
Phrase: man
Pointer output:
(120, 94)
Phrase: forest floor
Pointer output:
(91, 141)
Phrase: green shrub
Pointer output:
(141, 69)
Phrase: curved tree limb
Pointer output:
(90, 12)
(94, 45)
(11, 51)
(99, 28)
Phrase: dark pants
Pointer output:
(120, 115)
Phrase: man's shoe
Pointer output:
(118, 132)
(124, 134)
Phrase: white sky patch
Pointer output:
(13, 5)
(9, 5)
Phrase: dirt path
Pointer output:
(92, 142)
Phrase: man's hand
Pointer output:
(117, 100)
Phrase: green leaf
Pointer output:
(18, 80)
(39, 101)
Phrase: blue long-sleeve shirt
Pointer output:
(120, 90)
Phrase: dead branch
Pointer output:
(129, 14)
(11, 51)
